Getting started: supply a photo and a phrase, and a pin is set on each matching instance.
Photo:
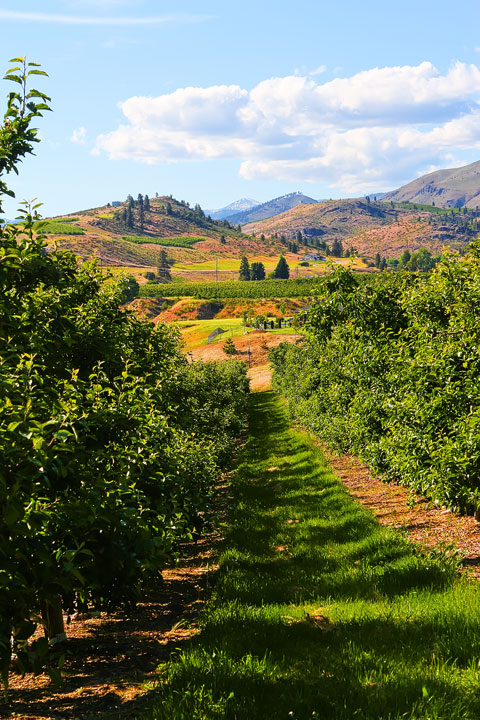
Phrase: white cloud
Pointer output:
(319, 70)
(378, 126)
(55, 18)
(79, 136)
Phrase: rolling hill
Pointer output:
(369, 227)
(106, 237)
(455, 187)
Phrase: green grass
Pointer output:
(195, 332)
(182, 241)
(52, 227)
(319, 612)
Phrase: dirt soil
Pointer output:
(112, 660)
(259, 343)
(423, 522)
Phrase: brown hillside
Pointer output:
(454, 187)
(326, 220)
(104, 232)
(368, 227)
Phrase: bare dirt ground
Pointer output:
(112, 660)
(258, 342)
(423, 522)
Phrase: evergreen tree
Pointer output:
(337, 248)
(383, 264)
(129, 220)
(146, 203)
(282, 271)
(244, 273)
(257, 271)
(299, 237)
(140, 200)
(223, 240)
(163, 268)
(141, 216)
(378, 260)
(169, 209)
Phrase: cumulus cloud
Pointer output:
(377, 126)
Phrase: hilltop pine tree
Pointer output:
(146, 203)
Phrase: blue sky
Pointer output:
(214, 101)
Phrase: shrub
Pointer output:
(229, 347)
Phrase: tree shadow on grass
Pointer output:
(296, 536)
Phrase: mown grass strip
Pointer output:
(318, 611)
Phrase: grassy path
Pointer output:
(318, 611)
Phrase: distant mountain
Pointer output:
(455, 187)
(271, 208)
(232, 209)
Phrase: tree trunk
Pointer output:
(53, 620)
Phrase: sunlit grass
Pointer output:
(195, 333)
(319, 612)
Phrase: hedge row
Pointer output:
(391, 372)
